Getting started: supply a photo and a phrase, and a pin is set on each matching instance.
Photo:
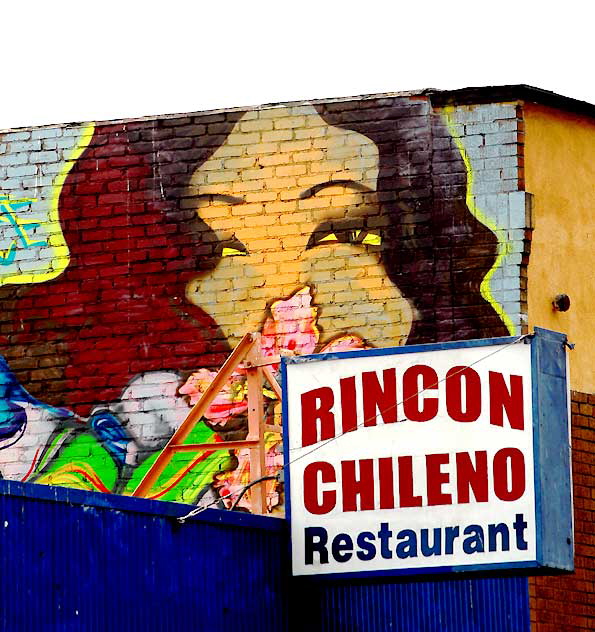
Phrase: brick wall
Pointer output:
(136, 254)
(566, 602)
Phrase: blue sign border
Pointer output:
(551, 449)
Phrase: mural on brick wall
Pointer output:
(136, 255)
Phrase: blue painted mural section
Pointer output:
(73, 560)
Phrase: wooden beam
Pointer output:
(255, 379)
(203, 447)
(196, 414)
(272, 380)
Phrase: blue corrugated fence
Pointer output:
(74, 560)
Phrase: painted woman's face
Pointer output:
(293, 204)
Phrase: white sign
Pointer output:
(402, 461)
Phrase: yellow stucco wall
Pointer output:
(560, 173)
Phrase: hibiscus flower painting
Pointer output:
(289, 329)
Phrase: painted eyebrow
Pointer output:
(229, 199)
(350, 184)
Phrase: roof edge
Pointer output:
(438, 98)
(512, 92)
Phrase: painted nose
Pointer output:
(238, 293)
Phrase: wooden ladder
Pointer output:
(258, 369)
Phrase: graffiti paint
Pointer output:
(39, 253)
(19, 227)
(504, 246)
(325, 227)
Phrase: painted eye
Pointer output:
(362, 236)
(372, 239)
(232, 252)
(345, 236)
(232, 248)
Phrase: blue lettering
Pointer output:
(474, 542)
(407, 548)
(342, 547)
(519, 526)
(498, 529)
(367, 549)
(319, 546)
(451, 534)
(385, 534)
(436, 548)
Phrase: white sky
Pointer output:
(67, 60)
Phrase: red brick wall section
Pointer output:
(568, 602)
(135, 254)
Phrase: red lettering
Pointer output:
(377, 397)
(454, 394)
(348, 409)
(386, 485)
(436, 478)
(501, 398)
(362, 487)
(406, 497)
(316, 405)
(507, 487)
(472, 476)
(314, 502)
(417, 409)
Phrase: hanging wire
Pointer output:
(322, 444)
(241, 493)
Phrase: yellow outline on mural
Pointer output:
(55, 239)
(504, 245)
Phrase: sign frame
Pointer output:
(550, 395)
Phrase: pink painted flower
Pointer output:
(291, 328)
(348, 342)
(229, 402)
